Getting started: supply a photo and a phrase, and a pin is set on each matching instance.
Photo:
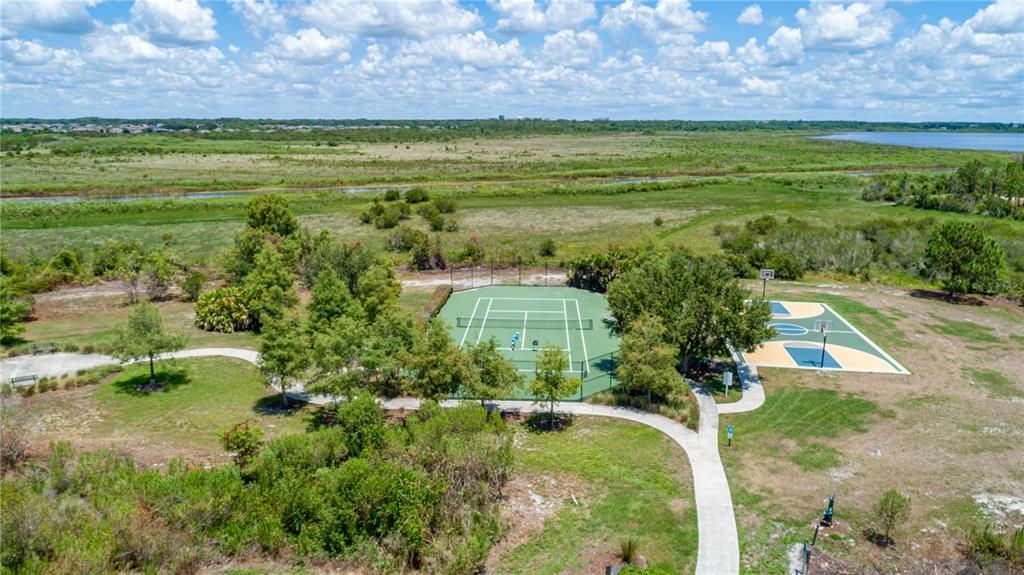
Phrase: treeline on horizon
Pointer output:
(498, 126)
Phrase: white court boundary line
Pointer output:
(887, 357)
(579, 318)
(470, 326)
(523, 346)
(568, 344)
(483, 323)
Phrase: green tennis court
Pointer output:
(571, 319)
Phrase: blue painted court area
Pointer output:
(811, 357)
(779, 309)
(789, 329)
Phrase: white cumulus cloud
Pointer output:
(670, 21)
(475, 49)
(310, 46)
(1002, 16)
(529, 16)
(65, 16)
(787, 44)
(175, 21)
(404, 18)
(258, 15)
(571, 48)
(857, 26)
(751, 15)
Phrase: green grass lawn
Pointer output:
(633, 483)
(95, 327)
(201, 398)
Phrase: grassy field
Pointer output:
(199, 400)
(629, 481)
(167, 163)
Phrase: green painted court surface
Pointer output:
(801, 342)
(569, 318)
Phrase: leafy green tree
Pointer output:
(893, 508)
(329, 299)
(378, 290)
(270, 214)
(438, 367)
(550, 383)
(158, 276)
(129, 270)
(703, 307)
(12, 312)
(965, 259)
(144, 336)
(349, 260)
(269, 290)
(109, 256)
(647, 364)
(284, 352)
(497, 377)
(338, 350)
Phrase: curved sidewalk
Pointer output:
(718, 543)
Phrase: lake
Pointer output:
(999, 142)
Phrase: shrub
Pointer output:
(658, 221)
(243, 441)
(404, 239)
(437, 222)
(386, 221)
(628, 547)
(14, 434)
(392, 195)
(362, 421)
(66, 263)
(472, 251)
(223, 309)
(893, 508)
(428, 211)
(445, 205)
(451, 226)
(416, 195)
(193, 284)
(547, 248)
(436, 301)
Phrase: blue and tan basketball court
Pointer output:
(803, 328)
(568, 318)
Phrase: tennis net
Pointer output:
(530, 323)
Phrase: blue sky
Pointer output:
(622, 59)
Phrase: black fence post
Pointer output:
(520, 273)
(492, 272)
(451, 277)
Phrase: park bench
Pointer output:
(23, 378)
(43, 348)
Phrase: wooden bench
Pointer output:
(23, 378)
(43, 348)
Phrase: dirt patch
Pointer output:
(528, 501)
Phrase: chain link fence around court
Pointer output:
(597, 375)
(465, 276)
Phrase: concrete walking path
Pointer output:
(718, 551)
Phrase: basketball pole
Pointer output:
(824, 341)
(764, 287)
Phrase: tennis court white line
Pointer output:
(586, 359)
(568, 344)
(471, 317)
(486, 313)
(527, 299)
(523, 345)
(522, 311)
